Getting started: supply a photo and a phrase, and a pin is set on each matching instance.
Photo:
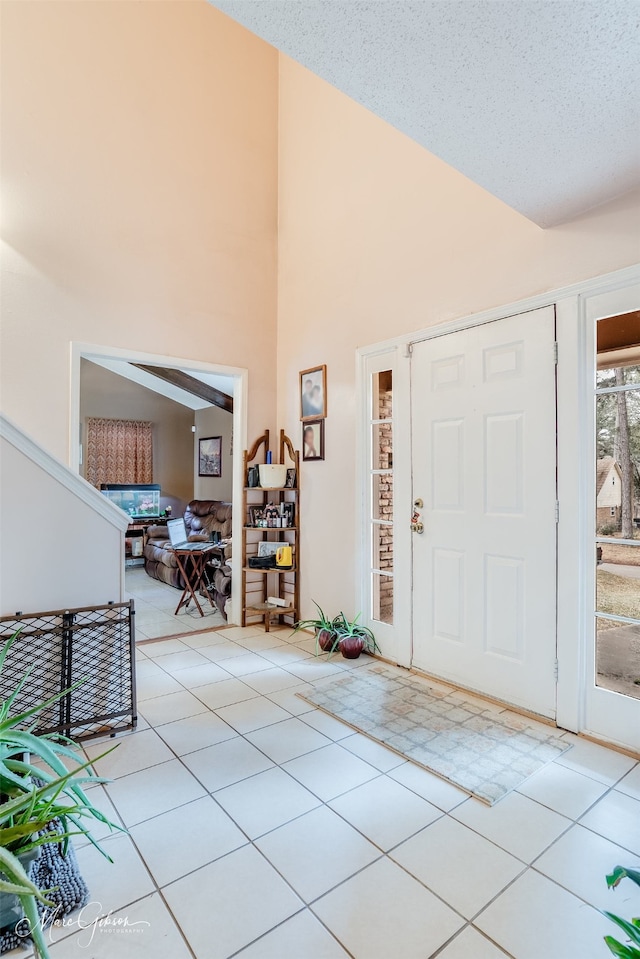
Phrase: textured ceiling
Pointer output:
(535, 100)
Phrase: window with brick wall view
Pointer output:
(382, 497)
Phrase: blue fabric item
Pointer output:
(68, 890)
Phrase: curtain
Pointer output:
(118, 451)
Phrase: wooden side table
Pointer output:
(191, 563)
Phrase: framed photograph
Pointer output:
(291, 479)
(254, 515)
(313, 393)
(313, 440)
(210, 456)
(270, 549)
(290, 513)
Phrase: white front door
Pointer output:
(484, 463)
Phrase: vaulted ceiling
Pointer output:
(535, 100)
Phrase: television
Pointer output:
(139, 500)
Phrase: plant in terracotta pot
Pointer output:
(353, 638)
(324, 628)
(39, 804)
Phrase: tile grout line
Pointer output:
(380, 773)
(325, 803)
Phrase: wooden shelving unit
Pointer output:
(258, 584)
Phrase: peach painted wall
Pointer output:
(139, 176)
(213, 422)
(378, 238)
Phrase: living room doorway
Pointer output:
(233, 380)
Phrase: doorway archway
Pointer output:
(238, 375)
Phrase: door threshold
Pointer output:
(616, 747)
(528, 714)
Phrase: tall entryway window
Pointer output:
(381, 472)
(610, 516)
(617, 506)
(385, 482)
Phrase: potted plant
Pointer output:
(353, 638)
(324, 628)
(38, 804)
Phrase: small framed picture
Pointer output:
(210, 456)
(313, 393)
(313, 440)
(291, 479)
(270, 549)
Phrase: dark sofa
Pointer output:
(202, 517)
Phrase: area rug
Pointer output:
(485, 749)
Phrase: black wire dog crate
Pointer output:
(93, 646)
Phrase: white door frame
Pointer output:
(574, 494)
(240, 393)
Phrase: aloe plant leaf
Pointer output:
(42, 748)
(631, 930)
(621, 872)
(37, 797)
(11, 887)
(7, 646)
(35, 926)
(619, 950)
(12, 868)
(20, 718)
(52, 789)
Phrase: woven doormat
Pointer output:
(484, 749)
(68, 890)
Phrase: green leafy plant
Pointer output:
(351, 633)
(325, 630)
(32, 797)
(630, 927)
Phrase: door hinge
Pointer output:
(557, 512)
(555, 352)
(408, 350)
(555, 670)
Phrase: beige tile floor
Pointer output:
(155, 608)
(261, 828)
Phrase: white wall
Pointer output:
(57, 551)
(214, 422)
(139, 200)
(379, 238)
(140, 210)
(139, 195)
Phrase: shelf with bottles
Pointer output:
(271, 517)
